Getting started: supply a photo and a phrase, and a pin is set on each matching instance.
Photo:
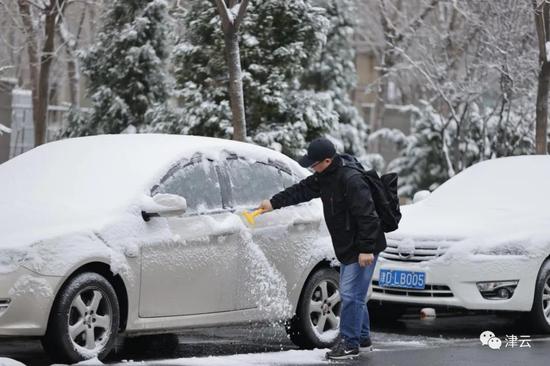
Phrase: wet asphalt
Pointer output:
(449, 339)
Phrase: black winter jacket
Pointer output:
(348, 208)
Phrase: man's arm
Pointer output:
(361, 206)
(303, 191)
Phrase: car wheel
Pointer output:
(84, 320)
(317, 320)
(540, 312)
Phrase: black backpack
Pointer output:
(383, 190)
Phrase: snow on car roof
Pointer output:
(56, 186)
(502, 199)
(517, 181)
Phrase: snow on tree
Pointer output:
(437, 146)
(232, 13)
(128, 83)
(334, 72)
(280, 40)
(41, 53)
(472, 63)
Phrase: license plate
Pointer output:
(402, 279)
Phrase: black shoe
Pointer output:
(366, 345)
(342, 352)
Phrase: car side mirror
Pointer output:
(421, 195)
(164, 205)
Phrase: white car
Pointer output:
(481, 241)
(138, 234)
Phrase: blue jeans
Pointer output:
(354, 317)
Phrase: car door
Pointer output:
(281, 239)
(195, 272)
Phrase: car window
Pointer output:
(252, 182)
(198, 183)
(288, 180)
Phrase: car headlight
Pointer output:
(497, 290)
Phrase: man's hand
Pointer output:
(366, 259)
(266, 205)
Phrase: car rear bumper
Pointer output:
(454, 283)
(25, 302)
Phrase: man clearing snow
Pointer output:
(356, 233)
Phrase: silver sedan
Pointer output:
(124, 235)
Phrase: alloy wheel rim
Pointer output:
(546, 299)
(324, 307)
(89, 322)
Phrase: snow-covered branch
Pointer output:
(4, 129)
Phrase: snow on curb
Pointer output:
(294, 357)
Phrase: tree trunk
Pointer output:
(542, 109)
(40, 71)
(230, 27)
(542, 22)
(235, 85)
(74, 81)
(379, 107)
(45, 67)
(32, 50)
(71, 45)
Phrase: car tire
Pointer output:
(316, 323)
(84, 320)
(539, 317)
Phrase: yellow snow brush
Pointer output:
(251, 216)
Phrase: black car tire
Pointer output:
(301, 327)
(91, 294)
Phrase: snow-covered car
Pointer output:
(133, 234)
(481, 241)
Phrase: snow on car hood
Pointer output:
(497, 202)
(86, 183)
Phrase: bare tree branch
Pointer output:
(227, 21)
(241, 14)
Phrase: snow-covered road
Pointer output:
(447, 340)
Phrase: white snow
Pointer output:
(90, 361)
(494, 204)
(88, 204)
(83, 186)
(292, 357)
(27, 284)
(267, 284)
(547, 45)
(9, 362)
(4, 129)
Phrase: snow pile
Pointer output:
(9, 362)
(313, 357)
(92, 361)
(497, 206)
(267, 285)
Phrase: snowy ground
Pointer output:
(447, 340)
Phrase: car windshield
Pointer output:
(509, 183)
